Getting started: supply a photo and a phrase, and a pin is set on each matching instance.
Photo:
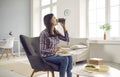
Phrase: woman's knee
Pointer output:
(65, 59)
(70, 59)
(70, 64)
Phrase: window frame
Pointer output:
(36, 20)
(107, 19)
(51, 6)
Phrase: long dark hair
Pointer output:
(48, 24)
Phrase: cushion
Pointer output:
(74, 47)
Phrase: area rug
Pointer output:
(22, 68)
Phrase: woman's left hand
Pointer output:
(57, 49)
(63, 25)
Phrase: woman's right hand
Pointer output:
(62, 24)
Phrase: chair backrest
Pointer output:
(9, 43)
(31, 45)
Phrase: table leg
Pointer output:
(77, 75)
(18, 48)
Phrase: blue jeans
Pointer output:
(65, 63)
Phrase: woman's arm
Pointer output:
(65, 37)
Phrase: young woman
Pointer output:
(49, 40)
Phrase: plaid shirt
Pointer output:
(48, 43)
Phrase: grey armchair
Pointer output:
(31, 47)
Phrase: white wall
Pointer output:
(72, 21)
(15, 17)
(76, 21)
(35, 15)
(83, 18)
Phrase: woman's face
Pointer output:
(54, 21)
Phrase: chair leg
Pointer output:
(47, 73)
(7, 53)
(6, 50)
(2, 54)
(12, 53)
(52, 73)
(77, 75)
(33, 72)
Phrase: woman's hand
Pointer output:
(57, 49)
(63, 25)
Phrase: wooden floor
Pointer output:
(8, 73)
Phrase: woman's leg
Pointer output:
(59, 60)
(70, 65)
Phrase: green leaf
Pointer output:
(105, 27)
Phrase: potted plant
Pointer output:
(106, 27)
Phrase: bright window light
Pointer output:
(92, 4)
(114, 13)
(114, 2)
(53, 1)
(100, 3)
(92, 16)
(101, 12)
(44, 12)
(114, 32)
(45, 2)
(54, 10)
(51, 7)
(100, 15)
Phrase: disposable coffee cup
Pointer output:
(61, 19)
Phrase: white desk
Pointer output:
(18, 45)
(79, 72)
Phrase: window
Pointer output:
(47, 6)
(115, 18)
(39, 9)
(101, 12)
(45, 2)
(96, 17)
